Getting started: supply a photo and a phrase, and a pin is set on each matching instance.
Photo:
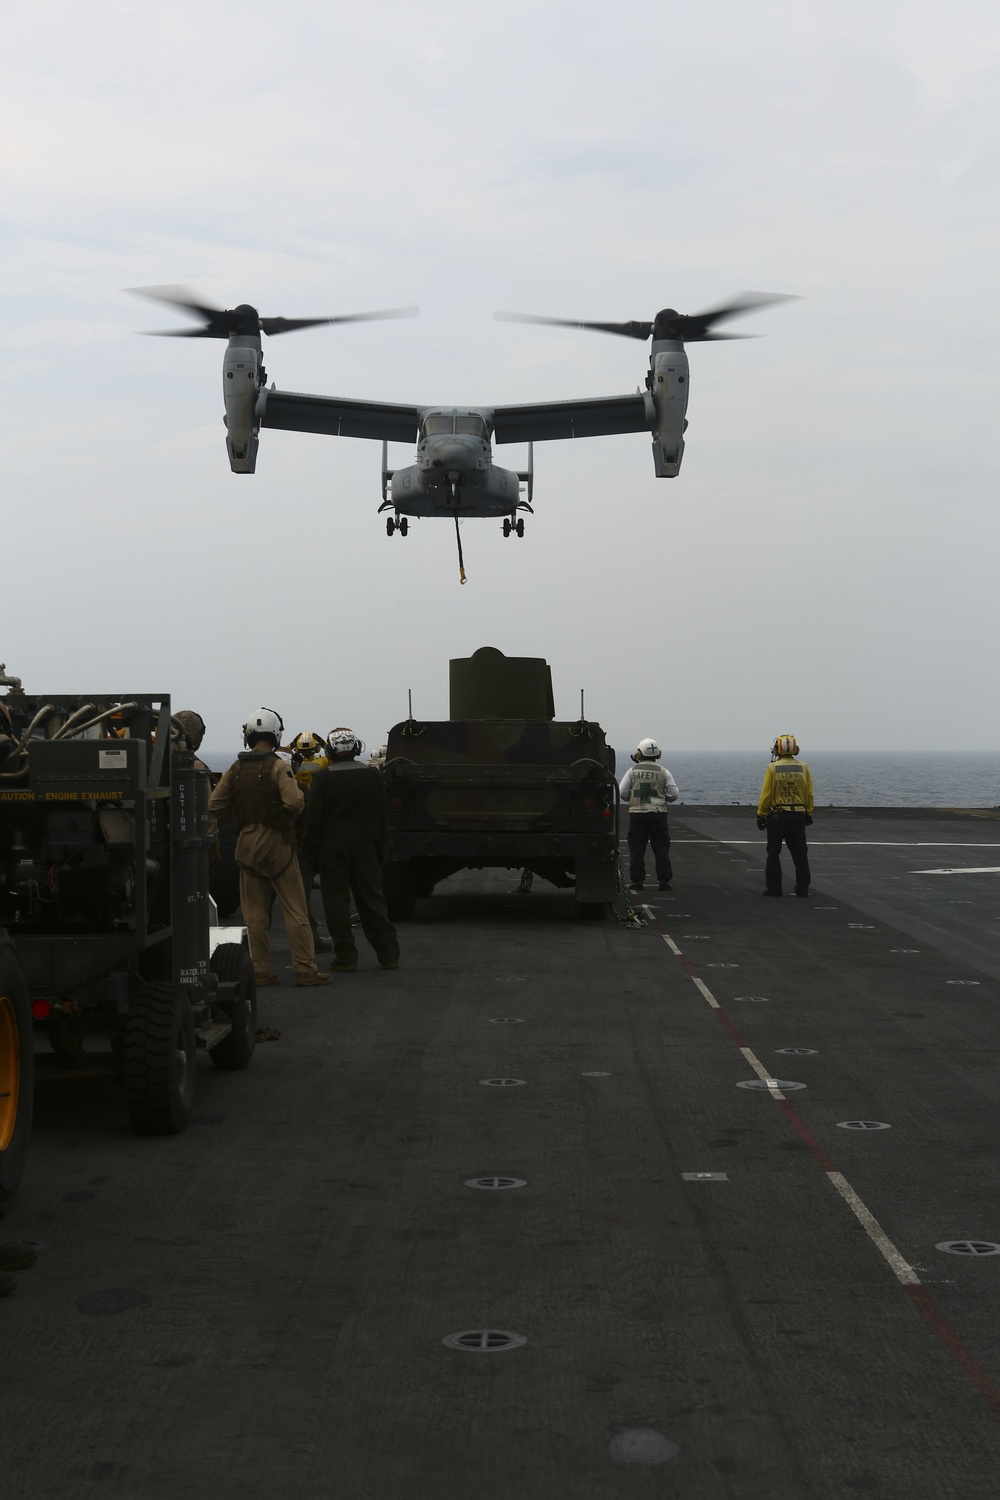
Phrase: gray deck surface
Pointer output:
(279, 1279)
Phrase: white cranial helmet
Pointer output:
(647, 750)
(263, 721)
(344, 742)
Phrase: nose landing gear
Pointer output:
(402, 525)
(512, 525)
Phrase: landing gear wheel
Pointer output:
(402, 526)
(519, 526)
(390, 526)
(160, 1060)
(400, 897)
(17, 1070)
(231, 961)
(506, 525)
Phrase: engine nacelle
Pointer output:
(241, 381)
(668, 382)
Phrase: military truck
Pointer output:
(501, 784)
(104, 850)
(17, 1069)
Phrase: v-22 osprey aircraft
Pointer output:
(454, 474)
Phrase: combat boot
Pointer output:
(312, 977)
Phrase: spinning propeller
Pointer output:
(688, 328)
(219, 323)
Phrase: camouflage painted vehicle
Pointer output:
(501, 784)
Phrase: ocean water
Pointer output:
(885, 778)
(911, 778)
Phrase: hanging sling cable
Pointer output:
(461, 564)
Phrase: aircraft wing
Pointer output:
(338, 416)
(573, 419)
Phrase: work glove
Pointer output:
(808, 820)
(762, 824)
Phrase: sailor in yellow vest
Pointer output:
(785, 811)
(646, 791)
(310, 753)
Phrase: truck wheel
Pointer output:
(398, 889)
(160, 1060)
(17, 1069)
(592, 911)
(231, 961)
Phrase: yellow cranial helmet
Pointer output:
(785, 744)
(307, 743)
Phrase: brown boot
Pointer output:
(312, 977)
(268, 978)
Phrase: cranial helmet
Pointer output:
(647, 750)
(344, 742)
(263, 721)
(785, 744)
(191, 725)
(308, 744)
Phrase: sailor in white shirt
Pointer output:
(647, 791)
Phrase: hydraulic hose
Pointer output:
(79, 713)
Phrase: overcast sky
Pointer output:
(826, 563)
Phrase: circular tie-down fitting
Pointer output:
(496, 1182)
(502, 1083)
(904, 950)
(961, 981)
(641, 1445)
(862, 926)
(862, 1125)
(722, 966)
(505, 1021)
(797, 1051)
(695, 937)
(484, 1340)
(751, 1000)
(783, 1085)
(971, 1248)
(595, 1073)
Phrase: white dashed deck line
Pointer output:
(901, 1269)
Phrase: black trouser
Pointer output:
(351, 869)
(643, 829)
(788, 828)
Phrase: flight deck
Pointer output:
(701, 1209)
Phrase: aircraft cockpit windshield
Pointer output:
(441, 424)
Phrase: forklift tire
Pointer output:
(160, 1060)
(397, 885)
(232, 961)
(17, 1069)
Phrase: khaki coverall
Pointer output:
(265, 853)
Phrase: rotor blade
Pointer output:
(742, 303)
(275, 326)
(631, 330)
(178, 296)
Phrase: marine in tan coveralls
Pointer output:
(262, 799)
